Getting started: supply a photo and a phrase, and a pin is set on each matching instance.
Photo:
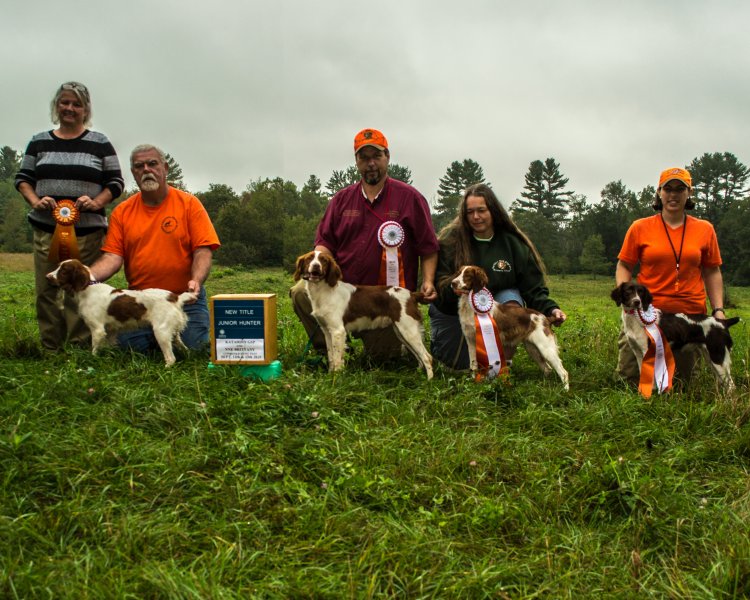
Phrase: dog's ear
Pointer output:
(480, 279)
(299, 267)
(646, 297)
(81, 277)
(73, 276)
(333, 274)
(616, 295)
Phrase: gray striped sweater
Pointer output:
(62, 169)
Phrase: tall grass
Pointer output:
(119, 478)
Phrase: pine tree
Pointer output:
(313, 185)
(174, 175)
(10, 162)
(719, 181)
(341, 179)
(458, 177)
(313, 199)
(544, 191)
(401, 173)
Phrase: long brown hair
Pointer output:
(456, 236)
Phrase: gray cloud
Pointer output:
(237, 90)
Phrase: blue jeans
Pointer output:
(447, 338)
(195, 335)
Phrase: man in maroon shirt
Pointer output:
(351, 231)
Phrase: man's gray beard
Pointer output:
(149, 185)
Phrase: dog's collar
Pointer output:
(93, 282)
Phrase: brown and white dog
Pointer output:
(516, 325)
(341, 307)
(108, 311)
(710, 334)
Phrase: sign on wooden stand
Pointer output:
(243, 329)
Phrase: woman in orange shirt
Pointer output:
(679, 263)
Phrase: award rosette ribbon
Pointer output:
(64, 244)
(657, 368)
(390, 236)
(490, 355)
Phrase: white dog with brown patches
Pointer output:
(108, 311)
(516, 325)
(341, 307)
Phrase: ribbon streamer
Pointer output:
(490, 354)
(391, 236)
(658, 365)
(64, 244)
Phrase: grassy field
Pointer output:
(120, 479)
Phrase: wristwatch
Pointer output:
(717, 309)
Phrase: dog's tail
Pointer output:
(729, 322)
(187, 298)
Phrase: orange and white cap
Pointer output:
(370, 137)
(675, 173)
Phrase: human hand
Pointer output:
(194, 286)
(429, 291)
(87, 203)
(557, 317)
(44, 203)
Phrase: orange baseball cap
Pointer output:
(370, 137)
(675, 173)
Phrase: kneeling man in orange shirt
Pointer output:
(165, 239)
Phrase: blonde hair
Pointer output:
(81, 92)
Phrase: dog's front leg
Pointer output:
(470, 335)
(639, 351)
(336, 343)
(468, 327)
(636, 338)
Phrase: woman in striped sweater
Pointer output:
(75, 163)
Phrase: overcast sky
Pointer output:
(238, 90)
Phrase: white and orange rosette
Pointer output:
(490, 355)
(391, 236)
(657, 368)
(64, 244)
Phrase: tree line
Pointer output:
(273, 221)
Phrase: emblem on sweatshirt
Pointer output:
(169, 224)
(502, 266)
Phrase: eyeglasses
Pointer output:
(674, 189)
(75, 86)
